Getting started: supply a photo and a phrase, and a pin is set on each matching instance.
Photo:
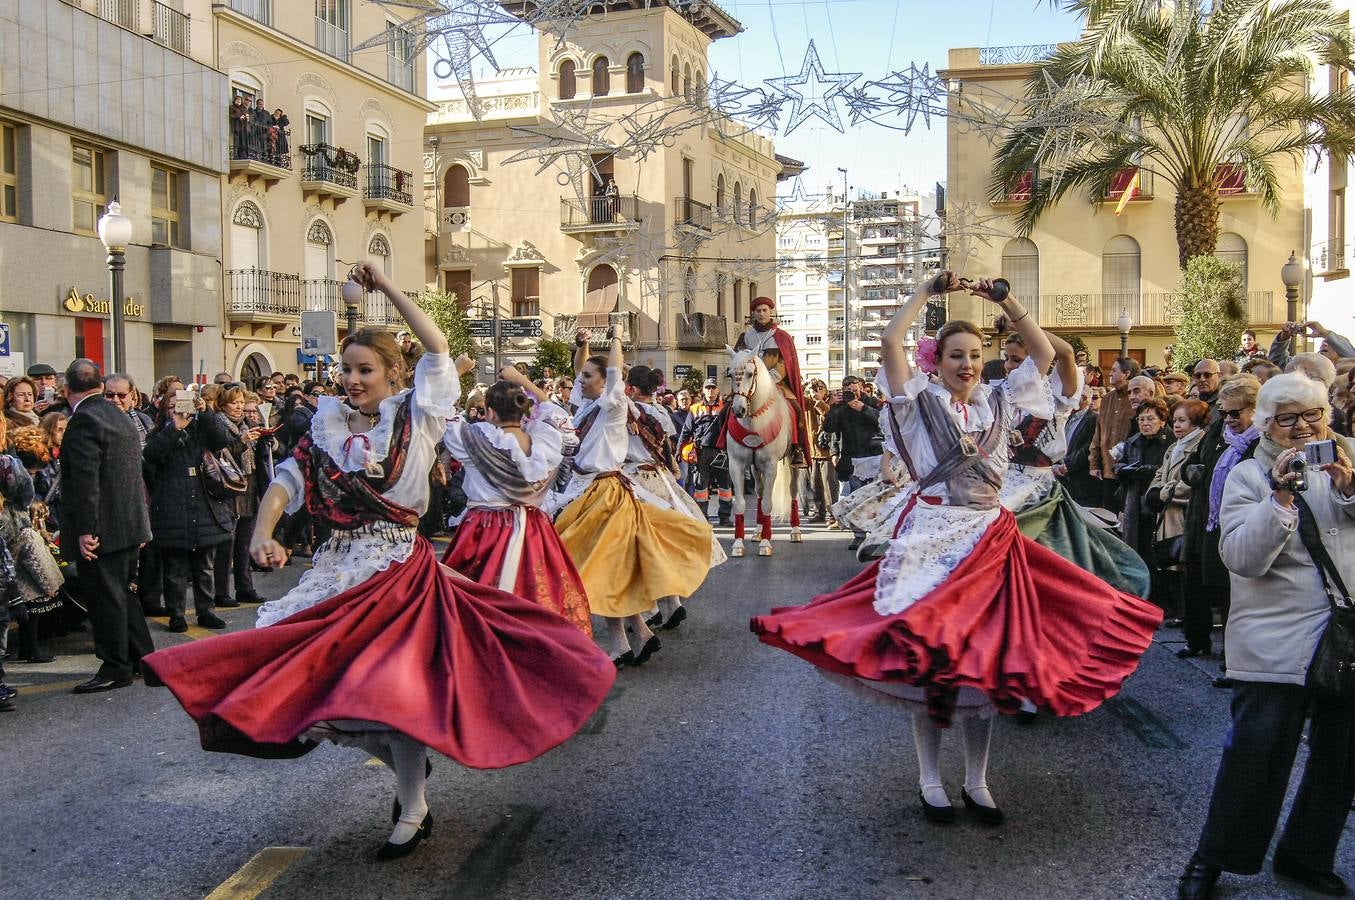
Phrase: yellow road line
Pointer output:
(29, 690)
(255, 876)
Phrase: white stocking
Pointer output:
(978, 733)
(668, 606)
(410, 758)
(927, 742)
(617, 642)
(642, 632)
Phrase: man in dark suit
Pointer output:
(1073, 471)
(104, 520)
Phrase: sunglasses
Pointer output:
(1289, 420)
(115, 395)
(1233, 413)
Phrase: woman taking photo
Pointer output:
(232, 557)
(1168, 494)
(1279, 612)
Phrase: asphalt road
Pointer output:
(723, 769)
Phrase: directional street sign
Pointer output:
(519, 328)
(481, 328)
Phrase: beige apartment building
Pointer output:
(666, 238)
(1083, 265)
(103, 101)
(303, 201)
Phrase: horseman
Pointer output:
(777, 349)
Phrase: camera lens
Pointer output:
(1297, 464)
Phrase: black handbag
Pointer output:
(1332, 672)
(1169, 551)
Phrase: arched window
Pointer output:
(689, 292)
(677, 77)
(720, 195)
(379, 249)
(601, 80)
(248, 247)
(1021, 268)
(603, 297)
(738, 202)
(635, 73)
(456, 187)
(1233, 248)
(567, 87)
(1120, 278)
(687, 81)
(322, 291)
(752, 206)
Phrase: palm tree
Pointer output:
(1184, 94)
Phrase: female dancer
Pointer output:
(630, 553)
(963, 613)
(649, 461)
(510, 460)
(377, 645)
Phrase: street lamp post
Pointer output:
(1291, 273)
(846, 285)
(1124, 323)
(115, 230)
(352, 294)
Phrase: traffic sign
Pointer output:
(519, 328)
(4, 340)
(680, 372)
(481, 328)
(319, 332)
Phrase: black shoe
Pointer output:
(1328, 883)
(395, 804)
(7, 704)
(212, 621)
(177, 625)
(797, 458)
(677, 618)
(1198, 880)
(250, 597)
(1174, 622)
(856, 542)
(988, 815)
(154, 612)
(98, 684)
(649, 649)
(625, 659)
(724, 522)
(390, 851)
(655, 620)
(941, 815)
(8, 691)
(39, 660)
(224, 603)
(1225, 683)
(1026, 716)
(1188, 652)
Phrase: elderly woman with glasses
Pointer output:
(1280, 610)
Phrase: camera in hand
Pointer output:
(185, 402)
(1319, 453)
(1298, 467)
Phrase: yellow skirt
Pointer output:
(629, 553)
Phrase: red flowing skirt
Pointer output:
(1014, 620)
(546, 573)
(477, 674)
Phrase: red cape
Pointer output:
(785, 344)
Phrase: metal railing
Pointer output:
(169, 27)
(692, 213)
(322, 294)
(318, 166)
(331, 39)
(378, 310)
(261, 143)
(258, 10)
(259, 292)
(623, 322)
(576, 213)
(1016, 54)
(1091, 310)
(389, 183)
(121, 12)
(1328, 256)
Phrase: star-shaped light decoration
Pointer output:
(913, 92)
(812, 92)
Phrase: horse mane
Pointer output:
(743, 357)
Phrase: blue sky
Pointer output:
(874, 37)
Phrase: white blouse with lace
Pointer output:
(541, 462)
(364, 554)
(935, 538)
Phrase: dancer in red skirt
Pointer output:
(378, 646)
(505, 539)
(963, 615)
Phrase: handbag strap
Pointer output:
(1312, 540)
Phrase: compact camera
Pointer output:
(186, 402)
(1319, 453)
(1298, 467)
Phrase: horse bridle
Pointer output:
(748, 395)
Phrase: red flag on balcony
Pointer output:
(1130, 191)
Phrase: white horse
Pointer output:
(761, 428)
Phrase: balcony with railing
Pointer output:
(1231, 179)
(624, 324)
(1132, 179)
(387, 189)
(1018, 189)
(262, 296)
(1329, 258)
(258, 10)
(329, 171)
(321, 294)
(689, 213)
(259, 150)
(598, 214)
(123, 13)
(170, 27)
(1015, 55)
(332, 39)
(702, 331)
(377, 309)
(1100, 311)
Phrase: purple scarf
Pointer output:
(1237, 445)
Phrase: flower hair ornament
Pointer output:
(925, 355)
